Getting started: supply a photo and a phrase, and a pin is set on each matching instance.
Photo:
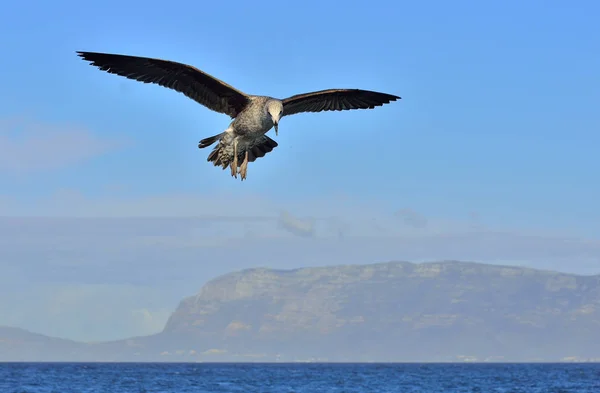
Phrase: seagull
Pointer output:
(253, 116)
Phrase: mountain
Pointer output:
(398, 311)
(21, 345)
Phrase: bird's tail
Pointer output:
(209, 141)
(216, 158)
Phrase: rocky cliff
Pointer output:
(395, 311)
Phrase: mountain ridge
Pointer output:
(389, 311)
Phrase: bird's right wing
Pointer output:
(335, 100)
(195, 84)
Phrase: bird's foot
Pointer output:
(234, 168)
(234, 163)
(244, 167)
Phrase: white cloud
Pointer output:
(150, 321)
(27, 146)
(87, 312)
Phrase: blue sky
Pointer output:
(498, 122)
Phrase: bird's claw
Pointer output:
(244, 167)
(233, 170)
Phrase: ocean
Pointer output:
(297, 378)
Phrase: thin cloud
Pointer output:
(412, 218)
(297, 226)
(27, 146)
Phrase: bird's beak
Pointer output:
(276, 129)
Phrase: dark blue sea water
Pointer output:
(297, 378)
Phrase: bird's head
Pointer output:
(275, 110)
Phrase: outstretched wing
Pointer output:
(195, 84)
(335, 100)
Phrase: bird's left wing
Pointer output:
(195, 84)
(335, 100)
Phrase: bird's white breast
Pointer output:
(254, 119)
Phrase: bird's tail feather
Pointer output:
(216, 158)
(209, 141)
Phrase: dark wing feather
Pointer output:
(195, 84)
(335, 100)
(259, 148)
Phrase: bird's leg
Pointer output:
(234, 163)
(244, 167)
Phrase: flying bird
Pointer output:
(253, 116)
